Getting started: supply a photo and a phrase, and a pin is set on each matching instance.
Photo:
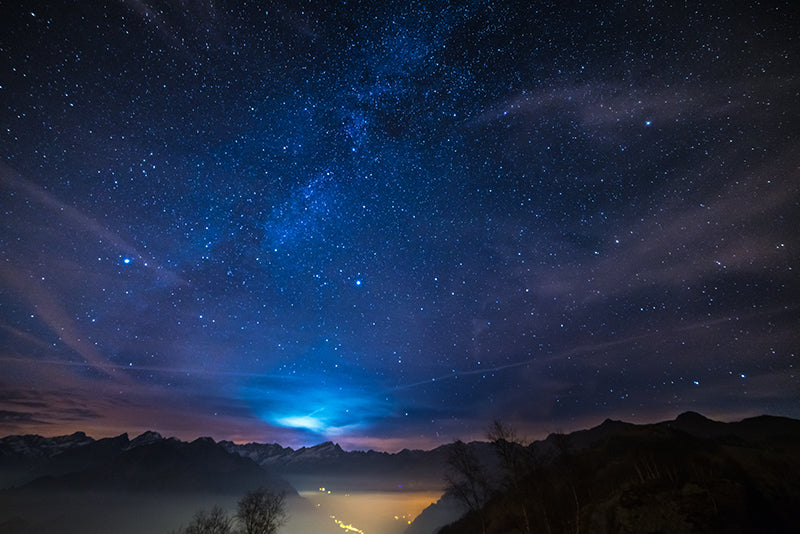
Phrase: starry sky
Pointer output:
(388, 223)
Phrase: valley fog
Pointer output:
(313, 511)
(370, 512)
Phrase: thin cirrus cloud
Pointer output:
(681, 245)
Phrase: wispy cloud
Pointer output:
(679, 245)
(70, 217)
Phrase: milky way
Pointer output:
(388, 224)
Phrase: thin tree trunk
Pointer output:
(577, 510)
(525, 517)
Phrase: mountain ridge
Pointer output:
(24, 458)
(647, 457)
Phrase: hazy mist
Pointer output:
(323, 512)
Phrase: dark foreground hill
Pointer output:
(683, 476)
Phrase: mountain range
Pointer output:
(615, 477)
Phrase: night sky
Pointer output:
(387, 223)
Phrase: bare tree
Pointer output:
(467, 480)
(515, 459)
(214, 522)
(262, 512)
(511, 448)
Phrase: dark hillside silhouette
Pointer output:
(687, 475)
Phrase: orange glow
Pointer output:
(372, 512)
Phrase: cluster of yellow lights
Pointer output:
(348, 528)
(351, 528)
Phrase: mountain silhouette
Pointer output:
(160, 465)
(691, 474)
